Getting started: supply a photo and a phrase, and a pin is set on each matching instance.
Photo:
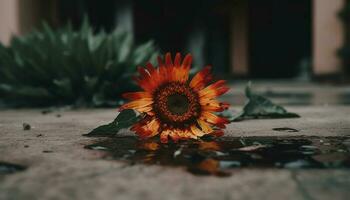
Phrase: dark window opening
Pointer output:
(279, 37)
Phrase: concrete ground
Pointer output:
(60, 168)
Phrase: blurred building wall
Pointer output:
(328, 36)
(239, 38)
(9, 18)
(21, 16)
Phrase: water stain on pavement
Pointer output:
(10, 168)
(286, 129)
(220, 156)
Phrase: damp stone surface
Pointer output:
(71, 171)
(220, 156)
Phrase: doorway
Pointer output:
(279, 37)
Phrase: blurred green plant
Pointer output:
(66, 67)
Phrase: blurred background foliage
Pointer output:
(50, 67)
(75, 64)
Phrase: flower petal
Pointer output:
(164, 135)
(187, 61)
(142, 105)
(213, 105)
(196, 131)
(146, 128)
(185, 134)
(181, 72)
(202, 78)
(217, 133)
(177, 60)
(168, 60)
(136, 95)
(214, 119)
(151, 69)
(216, 89)
(206, 128)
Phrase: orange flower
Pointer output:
(172, 105)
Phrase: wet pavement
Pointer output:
(10, 168)
(217, 156)
(292, 95)
(298, 158)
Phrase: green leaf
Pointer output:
(142, 52)
(258, 106)
(227, 114)
(125, 119)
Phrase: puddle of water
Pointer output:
(220, 156)
(9, 168)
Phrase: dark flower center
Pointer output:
(176, 104)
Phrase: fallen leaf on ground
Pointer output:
(258, 106)
(125, 119)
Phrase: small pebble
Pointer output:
(26, 126)
(44, 112)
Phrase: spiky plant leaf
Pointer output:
(65, 67)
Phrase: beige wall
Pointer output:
(239, 38)
(21, 16)
(328, 36)
(9, 19)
